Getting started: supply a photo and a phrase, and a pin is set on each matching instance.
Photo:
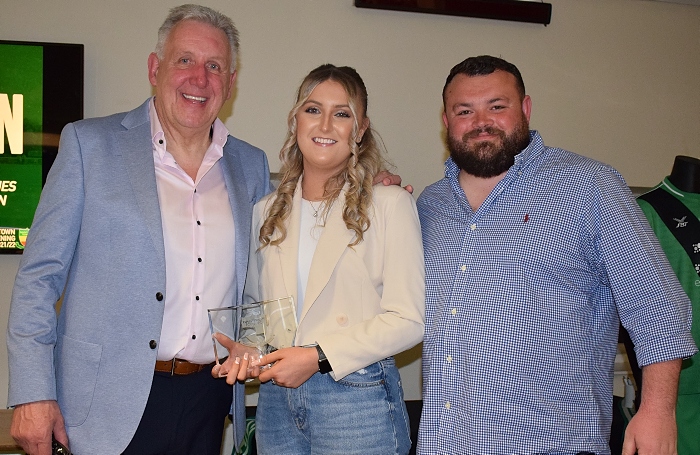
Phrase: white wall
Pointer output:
(616, 80)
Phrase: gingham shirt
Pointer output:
(522, 306)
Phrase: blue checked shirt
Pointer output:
(522, 306)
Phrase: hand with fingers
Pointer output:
(34, 425)
(291, 367)
(243, 362)
(386, 178)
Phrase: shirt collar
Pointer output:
(218, 139)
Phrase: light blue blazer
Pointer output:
(97, 236)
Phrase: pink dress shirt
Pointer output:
(198, 231)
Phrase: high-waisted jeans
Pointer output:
(363, 413)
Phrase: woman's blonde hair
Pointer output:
(365, 162)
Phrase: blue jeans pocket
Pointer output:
(370, 376)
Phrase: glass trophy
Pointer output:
(259, 327)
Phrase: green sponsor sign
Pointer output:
(21, 112)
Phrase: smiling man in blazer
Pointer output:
(144, 224)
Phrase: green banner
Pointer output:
(21, 96)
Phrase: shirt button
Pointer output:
(449, 359)
(160, 141)
(447, 405)
(196, 298)
(463, 268)
(194, 337)
(454, 311)
(159, 296)
(472, 227)
(199, 259)
(199, 223)
(153, 344)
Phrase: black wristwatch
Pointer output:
(324, 366)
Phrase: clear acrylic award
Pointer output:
(260, 327)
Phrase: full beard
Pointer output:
(488, 159)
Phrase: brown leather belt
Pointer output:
(179, 367)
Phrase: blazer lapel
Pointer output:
(242, 209)
(134, 144)
(331, 246)
(288, 250)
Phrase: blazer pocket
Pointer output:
(77, 364)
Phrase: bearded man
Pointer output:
(534, 255)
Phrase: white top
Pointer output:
(310, 231)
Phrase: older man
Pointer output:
(145, 223)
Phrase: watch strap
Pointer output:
(324, 366)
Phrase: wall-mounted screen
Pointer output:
(41, 90)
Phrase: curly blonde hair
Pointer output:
(365, 162)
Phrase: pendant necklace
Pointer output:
(315, 210)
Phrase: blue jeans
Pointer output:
(363, 413)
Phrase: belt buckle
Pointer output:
(172, 367)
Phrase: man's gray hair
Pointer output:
(201, 14)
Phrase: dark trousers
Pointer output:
(184, 415)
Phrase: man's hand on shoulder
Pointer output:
(33, 424)
(387, 179)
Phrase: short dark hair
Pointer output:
(484, 65)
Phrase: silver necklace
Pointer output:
(315, 210)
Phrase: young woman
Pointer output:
(350, 254)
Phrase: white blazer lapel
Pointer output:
(289, 249)
(333, 242)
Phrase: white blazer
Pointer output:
(362, 303)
